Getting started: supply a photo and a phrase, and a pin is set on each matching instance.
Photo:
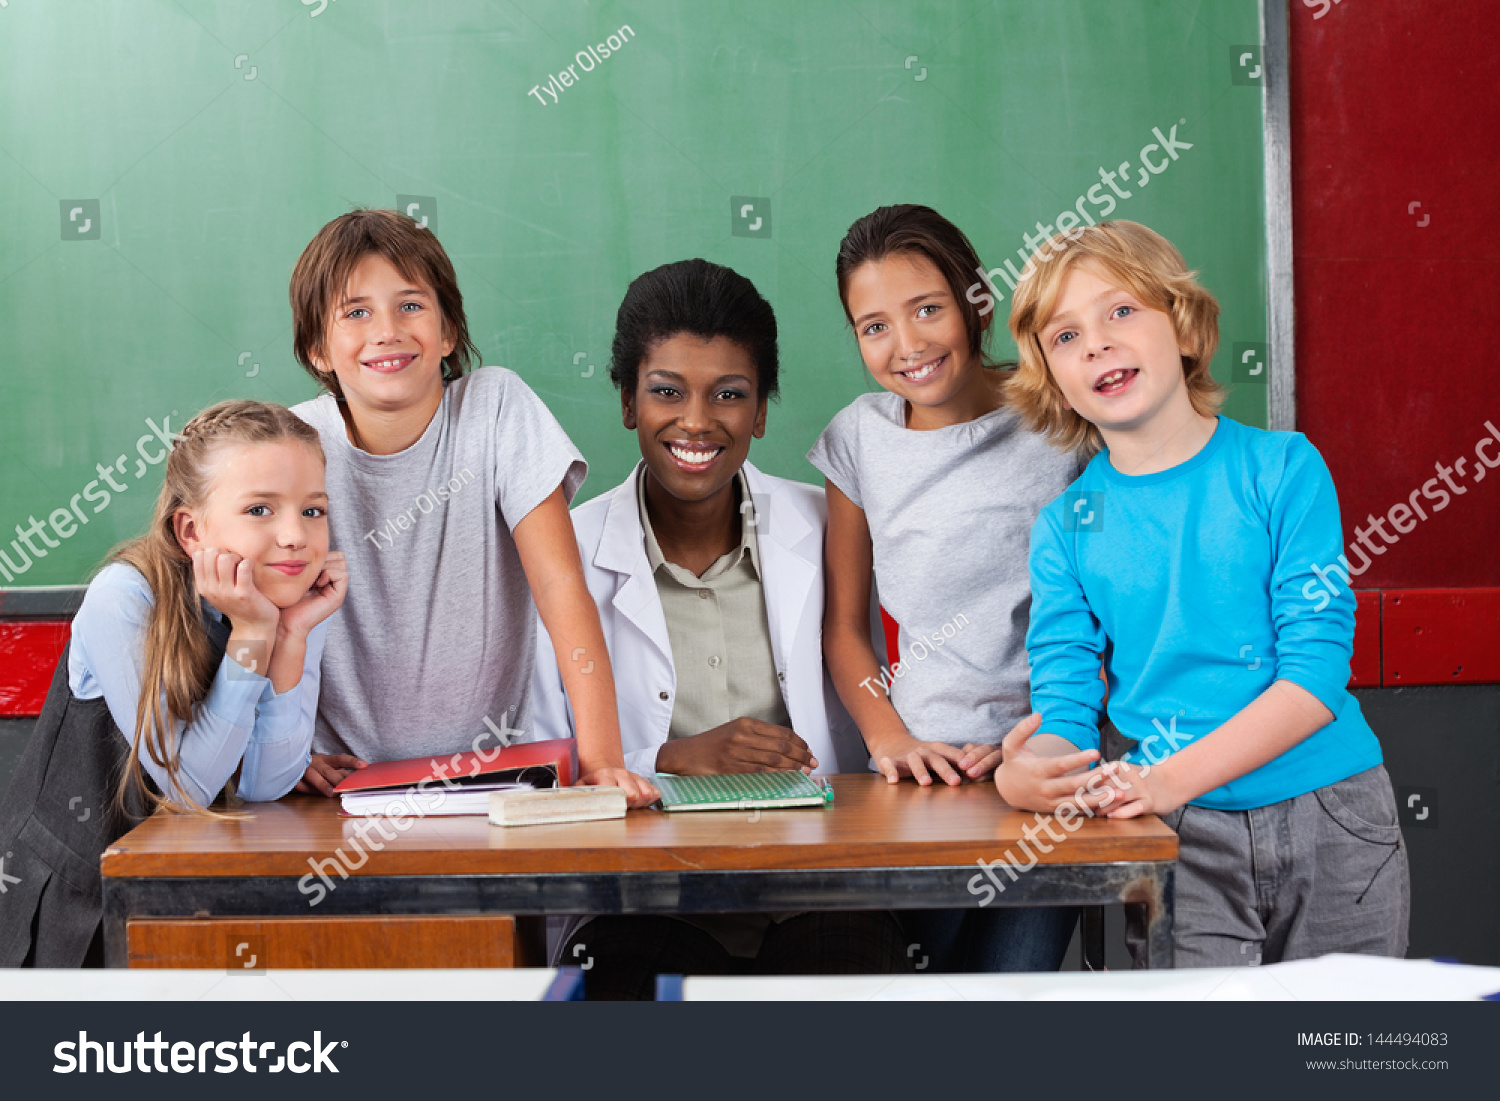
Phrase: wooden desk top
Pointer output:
(871, 824)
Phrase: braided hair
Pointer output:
(180, 661)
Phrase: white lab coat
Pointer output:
(790, 520)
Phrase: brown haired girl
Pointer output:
(192, 670)
(933, 484)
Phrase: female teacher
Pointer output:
(708, 576)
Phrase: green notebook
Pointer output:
(741, 791)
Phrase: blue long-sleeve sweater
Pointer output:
(1191, 583)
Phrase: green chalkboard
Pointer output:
(163, 163)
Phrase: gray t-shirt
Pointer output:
(437, 631)
(950, 513)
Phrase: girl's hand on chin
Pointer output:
(321, 600)
(227, 582)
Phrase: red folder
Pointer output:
(533, 761)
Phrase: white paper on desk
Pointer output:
(436, 801)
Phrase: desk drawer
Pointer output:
(336, 942)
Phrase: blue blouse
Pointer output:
(242, 719)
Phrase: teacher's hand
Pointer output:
(741, 745)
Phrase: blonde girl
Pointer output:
(192, 671)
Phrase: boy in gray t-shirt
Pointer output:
(448, 494)
(437, 634)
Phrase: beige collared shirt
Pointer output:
(720, 637)
(721, 653)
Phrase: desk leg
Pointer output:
(116, 947)
(1091, 938)
(1155, 914)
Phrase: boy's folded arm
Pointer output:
(1038, 771)
(1265, 728)
(1053, 745)
(1314, 633)
(1064, 643)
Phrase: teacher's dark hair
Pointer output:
(697, 297)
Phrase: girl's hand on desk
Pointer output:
(1029, 780)
(979, 760)
(325, 770)
(910, 757)
(639, 792)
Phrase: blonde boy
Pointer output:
(1178, 558)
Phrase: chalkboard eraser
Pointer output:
(575, 804)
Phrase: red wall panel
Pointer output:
(1394, 104)
(1364, 666)
(1441, 636)
(28, 657)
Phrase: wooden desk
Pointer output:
(878, 846)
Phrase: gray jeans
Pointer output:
(1322, 872)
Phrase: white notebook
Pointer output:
(435, 801)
